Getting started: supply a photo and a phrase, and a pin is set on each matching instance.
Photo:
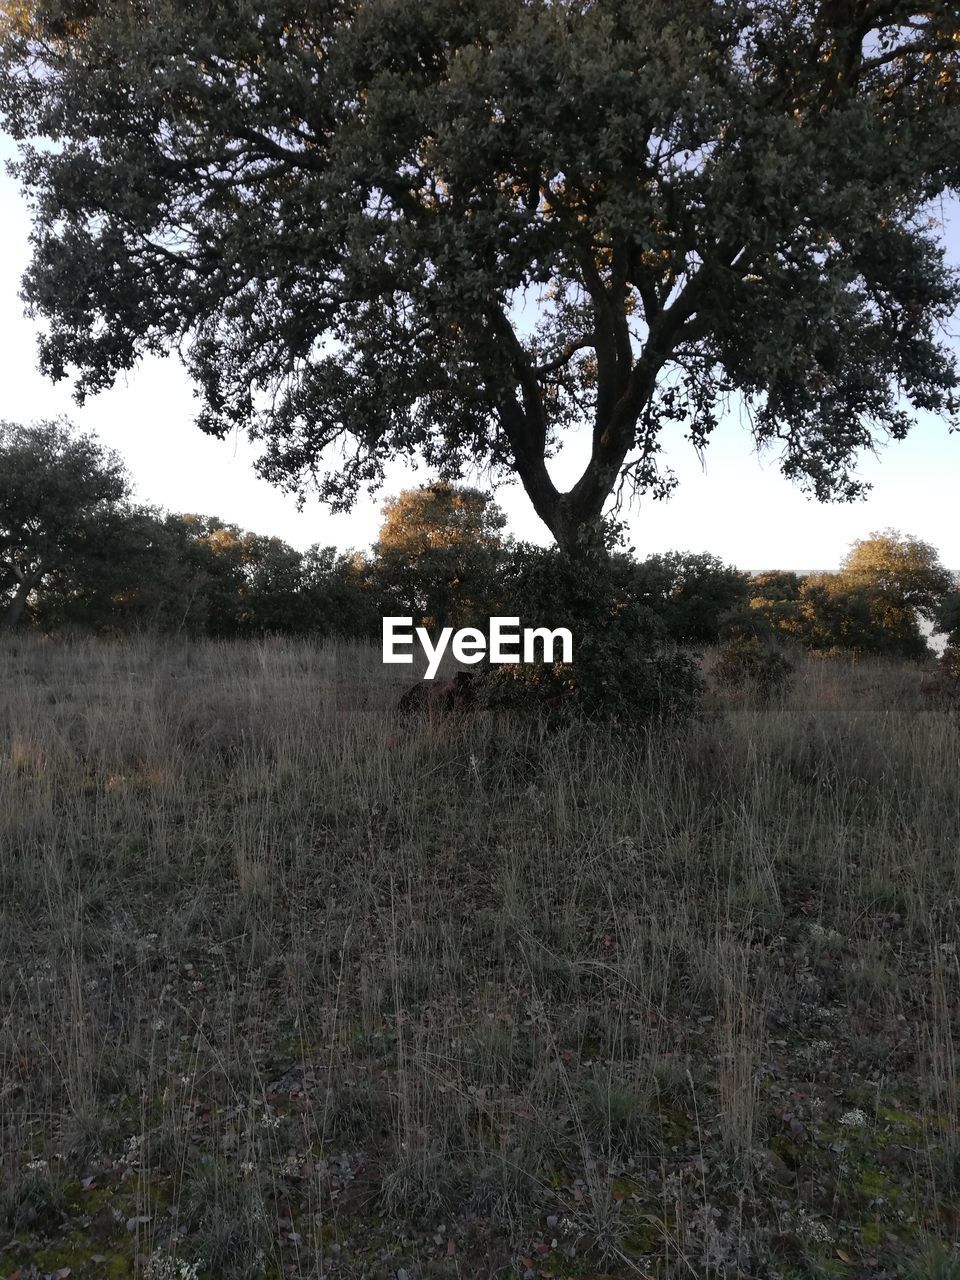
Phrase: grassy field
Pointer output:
(289, 989)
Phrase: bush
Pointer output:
(744, 622)
(948, 618)
(944, 689)
(625, 665)
(747, 664)
(691, 593)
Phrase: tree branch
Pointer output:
(565, 356)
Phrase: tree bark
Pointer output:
(14, 610)
(625, 385)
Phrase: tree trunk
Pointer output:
(14, 610)
(573, 518)
(579, 537)
(625, 386)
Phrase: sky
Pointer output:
(736, 506)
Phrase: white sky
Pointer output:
(739, 507)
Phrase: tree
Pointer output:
(274, 599)
(127, 580)
(463, 229)
(225, 581)
(438, 553)
(774, 601)
(341, 593)
(873, 604)
(901, 570)
(208, 587)
(229, 582)
(835, 612)
(692, 593)
(60, 499)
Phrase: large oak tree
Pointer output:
(465, 228)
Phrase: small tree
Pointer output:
(60, 493)
(208, 588)
(691, 593)
(341, 594)
(837, 613)
(228, 581)
(774, 586)
(273, 595)
(126, 581)
(899, 569)
(773, 605)
(438, 553)
(873, 604)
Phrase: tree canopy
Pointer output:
(388, 227)
(886, 583)
(691, 593)
(60, 501)
(439, 552)
(904, 570)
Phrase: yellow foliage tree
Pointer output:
(438, 552)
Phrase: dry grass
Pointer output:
(290, 989)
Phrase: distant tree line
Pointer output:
(887, 585)
(75, 551)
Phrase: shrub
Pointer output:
(745, 622)
(625, 665)
(944, 688)
(948, 617)
(746, 663)
(692, 593)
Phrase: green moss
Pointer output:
(873, 1234)
(89, 1201)
(899, 1118)
(85, 1257)
(873, 1183)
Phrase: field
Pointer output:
(290, 989)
